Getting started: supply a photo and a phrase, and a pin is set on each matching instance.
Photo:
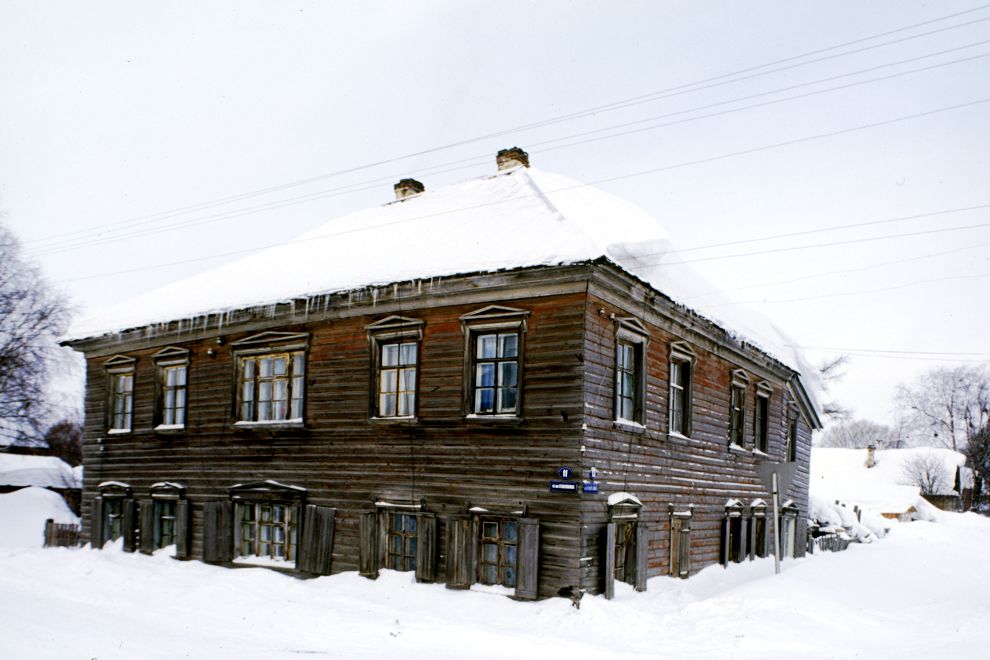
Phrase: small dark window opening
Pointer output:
(737, 414)
(761, 423)
(792, 436)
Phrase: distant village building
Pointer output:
(494, 382)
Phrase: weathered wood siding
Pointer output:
(663, 469)
(348, 461)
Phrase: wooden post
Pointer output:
(49, 538)
(776, 528)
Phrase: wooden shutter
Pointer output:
(96, 523)
(642, 552)
(528, 559)
(217, 531)
(315, 551)
(610, 531)
(684, 548)
(426, 547)
(182, 529)
(147, 516)
(460, 552)
(128, 524)
(368, 545)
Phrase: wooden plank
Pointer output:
(316, 549)
(146, 511)
(426, 547)
(528, 559)
(610, 533)
(368, 544)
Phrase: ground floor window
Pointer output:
(164, 529)
(680, 543)
(732, 532)
(497, 552)
(788, 531)
(113, 518)
(756, 539)
(268, 530)
(400, 541)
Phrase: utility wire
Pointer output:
(685, 88)
(72, 244)
(628, 175)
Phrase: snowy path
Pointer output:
(921, 592)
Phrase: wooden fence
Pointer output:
(827, 543)
(61, 535)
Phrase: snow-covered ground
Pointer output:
(920, 592)
(23, 514)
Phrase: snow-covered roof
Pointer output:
(42, 471)
(841, 474)
(520, 217)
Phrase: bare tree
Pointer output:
(831, 371)
(65, 441)
(859, 434)
(927, 472)
(944, 407)
(978, 455)
(32, 317)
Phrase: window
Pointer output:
(624, 557)
(120, 372)
(164, 523)
(494, 375)
(395, 349)
(756, 540)
(397, 379)
(737, 408)
(681, 366)
(680, 541)
(788, 529)
(267, 530)
(792, 435)
(761, 418)
(630, 368)
(497, 552)
(267, 518)
(271, 377)
(114, 516)
(400, 541)
(732, 528)
(173, 368)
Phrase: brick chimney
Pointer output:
(407, 188)
(510, 158)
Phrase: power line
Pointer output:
(836, 272)
(844, 294)
(685, 88)
(887, 350)
(564, 189)
(70, 245)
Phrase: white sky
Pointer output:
(115, 113)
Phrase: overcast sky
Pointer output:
(131, 134)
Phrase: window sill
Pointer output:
(631, 427)
(760, 454)
(736, 449)
(118, 431)
(493, 419)
(169, 429)
(262, 426)
(400, 421)
(678, 437)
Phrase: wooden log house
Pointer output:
(550, 421)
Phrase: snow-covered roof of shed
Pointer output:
(516, 218)
(43, 471)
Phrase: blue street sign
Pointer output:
(590, 487)
(565, 473)
(563, 487)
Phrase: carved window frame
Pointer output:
(682, 360)
(739, 383)
(121, 375)
(761, 418)
(394, 330)
(294, 348)
(499, 321)
(171, 359)
(631, 341)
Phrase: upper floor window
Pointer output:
(173, 368)
(761, 418)
(395, 344)
(271, 377)
(737, 408)
(120, 374)
(681, 366)
(630, 370)
(790, 452)
(494, 349)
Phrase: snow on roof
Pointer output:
(24, 513)
(623, 498)
(43, 471)
(517, 218)
(841, 474)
